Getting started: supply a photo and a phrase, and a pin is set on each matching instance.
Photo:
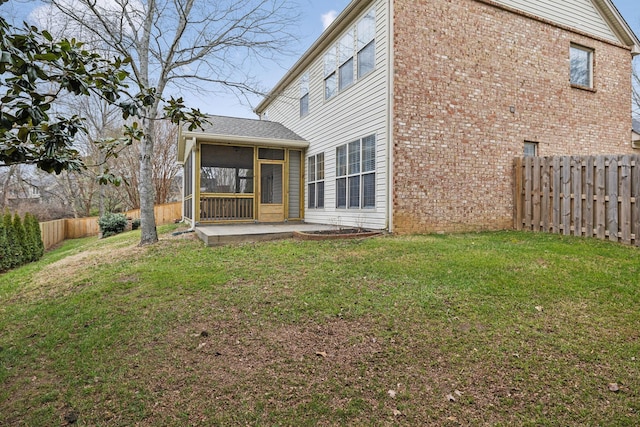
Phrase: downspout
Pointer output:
(195, 164)
(390, 97)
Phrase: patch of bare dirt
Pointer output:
(72, 272)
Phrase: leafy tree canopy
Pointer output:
(35, 71)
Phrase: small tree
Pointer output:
(34, 238)
(21, 237)
(14, 255)
(4, 249)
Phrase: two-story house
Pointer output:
(406, 115)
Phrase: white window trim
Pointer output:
(332, 70)
(590, 64)
(317, 179)
(359, 174)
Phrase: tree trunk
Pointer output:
(5, 187)
(145, 184)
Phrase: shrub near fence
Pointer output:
(584, 196)
(54, 232)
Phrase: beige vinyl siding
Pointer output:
(354, 113)
(579, 14)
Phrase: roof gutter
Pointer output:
(245, 140)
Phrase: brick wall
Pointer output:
(459, 68)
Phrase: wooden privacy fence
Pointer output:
(54, 232)
(582, 196)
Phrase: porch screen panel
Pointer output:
(188, 176)
(187, 181)
(226, 169)
(295, 161)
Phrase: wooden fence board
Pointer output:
(612, 195)
(536, 194)
(517, 191)
(576, 194)
(635, 225)
(589, 197)
(528, 189)
(625, 199)
(566, 195)
(585, 196)
(601, 189)
(546, 194)
(556, 194)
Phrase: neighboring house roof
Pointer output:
(609, 11)
(635, 133)
(636, 125)
(235, 130)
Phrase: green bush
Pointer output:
(21, 239)
(34, 237)
(14, 255)
(135, 224)
(4, 249)
(111, 224)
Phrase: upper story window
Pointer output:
(304, 95)
(366, 43)
(345, 63)
(581, 59)
(330, 73)
(352, 57)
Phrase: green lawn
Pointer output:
(474, 329)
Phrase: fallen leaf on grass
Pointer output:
(458, 393)
(396, 413)
(202, 344)
(454, 419)
(450, 398)
(321, 354)
(392, 394)
(539, 308)
(614, 387)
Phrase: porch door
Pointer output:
(271, 197)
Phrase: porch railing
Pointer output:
(226, 208)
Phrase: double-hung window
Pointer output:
(304, 95)
(366, 30)
(315, 181)
(330, 74)
(355, 174)
(345, 63)
(581, 70)
(353, 56)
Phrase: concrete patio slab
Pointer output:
(222, 234)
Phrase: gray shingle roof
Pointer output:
(636, 125)
(251, 128)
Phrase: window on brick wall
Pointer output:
(581, 69)
(356, 174)
(304, 95)
(530, 149)
(315, 179)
